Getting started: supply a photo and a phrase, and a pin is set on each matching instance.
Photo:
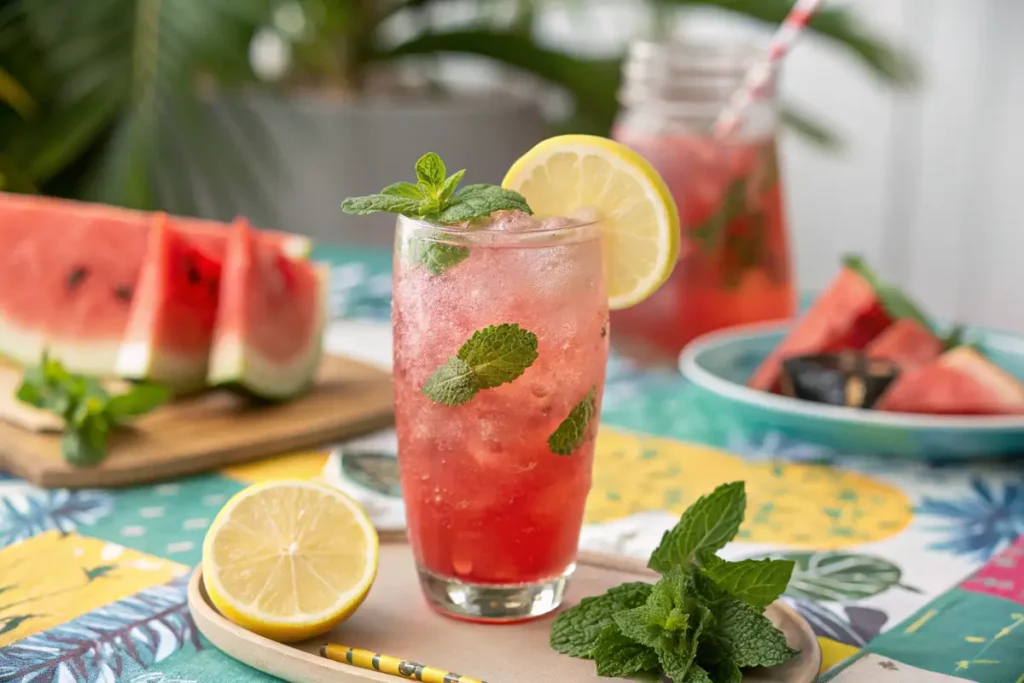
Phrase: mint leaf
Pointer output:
(575, 631)
(480, 200)
(696, 674)
(382, 203)
(572, 432)
(452, 384)
(139, 400)
(617, 656)
(499, 353)
(747, 638)
(430, 171)
(406, 190)
(436, 198)
(493, 356)
(705, 527)
(724, 671)
(438, 257)
(84, 442)
(755, 582)
(449, 186)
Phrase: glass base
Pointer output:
(493, 603)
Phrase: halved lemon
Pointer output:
(573, 174)
(289, 559)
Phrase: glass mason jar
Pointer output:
(494, 512)
(734, 262)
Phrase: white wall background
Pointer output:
(927, 185)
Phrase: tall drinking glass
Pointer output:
(494, 512)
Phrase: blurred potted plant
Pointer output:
(358, 94)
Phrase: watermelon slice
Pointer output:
(168, 334)
(74, 269)
(71, 282)
(268, 335)
(959, 382)
(856, 308)
(907, 343)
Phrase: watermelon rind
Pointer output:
(237, 365)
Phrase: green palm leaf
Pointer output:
(125, 72)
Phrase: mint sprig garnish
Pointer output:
(87, 408)
(702, 621)
(493, 356)
(435, 198)
(572, 432)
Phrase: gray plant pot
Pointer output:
(323, 150)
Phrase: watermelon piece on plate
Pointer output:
(959, 382)
(846, 316)
(168, 335)
(855, 309)
(269, 330)
(907, 343)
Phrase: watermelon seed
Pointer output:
(76, 276)
(194, 277)
(123, 292)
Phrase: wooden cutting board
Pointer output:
(395, 620)
(213, 430)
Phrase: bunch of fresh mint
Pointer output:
(436, 197)
(702, 622)
(88, 410)
(496, 355)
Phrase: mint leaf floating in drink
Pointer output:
(705, 527)
(452, 384)
(435, 199)
(701, 622)
(572, 432)
(87, 408)
(493, 356)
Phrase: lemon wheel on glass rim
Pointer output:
(570, 174)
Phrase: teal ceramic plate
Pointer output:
(719, 364)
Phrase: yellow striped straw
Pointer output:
(374, 661)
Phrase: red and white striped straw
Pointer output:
(760, 75)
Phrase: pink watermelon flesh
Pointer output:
(907, 343)
(270, 320)
(959, 382)
(74, 268)
(168, 334)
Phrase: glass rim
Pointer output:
(459, 232)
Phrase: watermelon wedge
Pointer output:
(269, 329)
(959, 382)
(847, 315)
(907, 343)
(168, 334)
(74, 270)
(71, 282)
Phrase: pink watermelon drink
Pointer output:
(734, 263)
(487, 500)
(500, 346)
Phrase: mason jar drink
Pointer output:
(734, 263)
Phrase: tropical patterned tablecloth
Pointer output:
(907, 572)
